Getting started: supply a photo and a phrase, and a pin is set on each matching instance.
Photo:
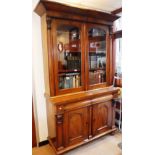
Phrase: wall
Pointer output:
(38, 78)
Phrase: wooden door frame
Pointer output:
(106, 29)
(56, 23)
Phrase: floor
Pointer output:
(107, 145)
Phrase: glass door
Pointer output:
(97, 56)
(69, 56)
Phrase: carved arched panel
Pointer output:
(101, 115)
(76, 126)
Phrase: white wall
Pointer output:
(38, 78)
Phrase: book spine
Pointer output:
(65, 83)
(77, 83)
(73, 81)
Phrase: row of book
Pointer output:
(73, 61)
(71, 80)
(70, 57)
(74, 64)
(96, 62)
(97, 77)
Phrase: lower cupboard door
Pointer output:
(102, 117)
(76, 126)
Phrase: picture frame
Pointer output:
(60, 47)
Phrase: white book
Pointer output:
(73, 81)
(77, 81)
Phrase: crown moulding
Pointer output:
(58, 10)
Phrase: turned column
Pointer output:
(59, 127)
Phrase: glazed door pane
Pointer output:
(69, 56)
(97, 55)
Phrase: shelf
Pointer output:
(97, 69)
(69, 74)
(97, 38)
(95, 52)
(69, 71)
(76, 41)
(72, 51)
(73, 46)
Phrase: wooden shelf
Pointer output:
(96, 69)
(74, 51)
(73, 46)
(69, 71)
(67, 74)
(97, 38)
(93, 50)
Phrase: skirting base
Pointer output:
(60, 151)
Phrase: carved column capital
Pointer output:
(49, 21)
(60, 114)
(59, 118)
(60, 109)
(111, 30)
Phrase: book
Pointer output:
(71, 82)
(67, 82)
(74, 85)
(77, 81)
